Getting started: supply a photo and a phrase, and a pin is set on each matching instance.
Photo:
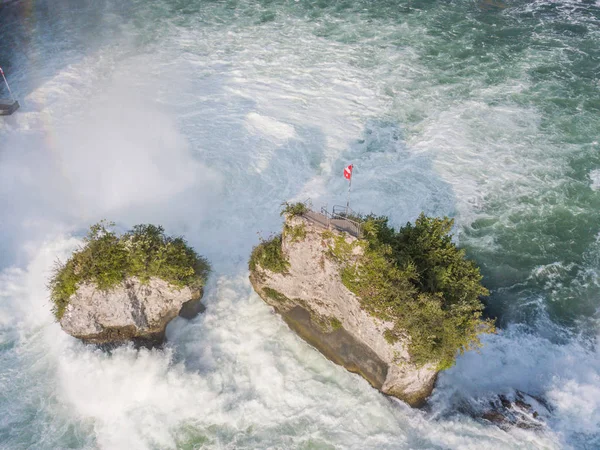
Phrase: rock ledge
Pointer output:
(132, 311)
(314, 302)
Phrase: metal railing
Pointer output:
(341, 218)
(347, 220)
(346, 212)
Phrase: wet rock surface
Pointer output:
(131, 312)
(339, 346)
(515, 409)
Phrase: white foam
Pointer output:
(269, 127)
(236, 376)
(595, 179)
(208, 136)
(566, 374)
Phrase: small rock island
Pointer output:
(393, 306)
(127, 288)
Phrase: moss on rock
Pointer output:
(275, 295)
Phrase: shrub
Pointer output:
(421, 281)
(293, 209)
(295, 232)
(269, 255)
(107, 259)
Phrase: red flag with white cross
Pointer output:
(348, 172)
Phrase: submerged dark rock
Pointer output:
(517, 409)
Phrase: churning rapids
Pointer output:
(204, 116)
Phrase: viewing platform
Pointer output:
(339, 219)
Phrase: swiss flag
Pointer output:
(348, 172)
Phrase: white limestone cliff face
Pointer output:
(132, 311)
(313, 287)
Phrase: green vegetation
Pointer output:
(390, 337)
(341, 249)
(107, 259)
(293, 209)
(275, 295)
(269, 255)
(327, 324)
(327, 234)
(296, 233)
(421, 281)
(335, 323)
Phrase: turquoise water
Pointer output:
(205, 116)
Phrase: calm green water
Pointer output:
(205, 115)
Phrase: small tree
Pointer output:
(420, 280)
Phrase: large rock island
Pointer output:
(394, 307)
(124, 288)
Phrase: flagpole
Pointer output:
(348, 199)
(7, 86)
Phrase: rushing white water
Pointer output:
(204, 121)
(235, 377)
